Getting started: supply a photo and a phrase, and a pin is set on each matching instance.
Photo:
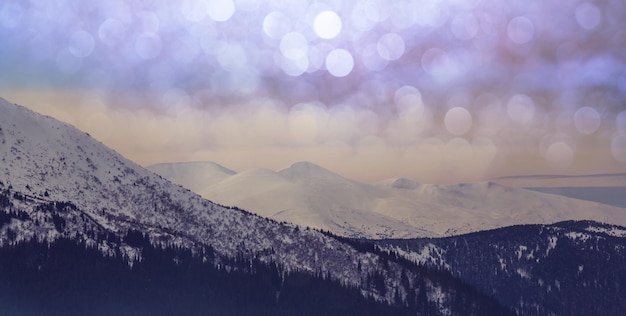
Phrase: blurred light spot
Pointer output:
(406, 96)
(464, 26)
(294, 46)
(339, 62)
(81, 44)
(521, 109)
(390, 46)
(220, 10)
(294, 67)
(587, 120)
(327, 24)
(618, 147)
(520, 30)
(276, 25)
(432, 13)
(317, 55)
(112, 32)
(377, 10)
(437, 63)
(148, 46)
(10, 15)
(458, 121)
(372, 59)
(193, 10)
(588, 15)
(560, 154)
(621, 123)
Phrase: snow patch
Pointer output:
(523, 273)
(613, 231)
(578, 236)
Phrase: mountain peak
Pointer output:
(305, 169)
(402, 183)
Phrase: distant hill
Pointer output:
(311, 196)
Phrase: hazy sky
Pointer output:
(437, 91)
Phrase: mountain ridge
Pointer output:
(58, 183)
(315, 197)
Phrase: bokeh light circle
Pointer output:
(588, 15)
(276, 24)
(390, 46)
(339, 62)
(81, 44)
(458, 121)
(193, 10)
(294, 45)
(520, 30)
(521, 109)
(148, 46)
(112, 32)
(465, 26)
(587, 120)
(327, 24)
(560, 154)
(220, 10)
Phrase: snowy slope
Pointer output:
(309, 195)
(567, 268)
(44, 162)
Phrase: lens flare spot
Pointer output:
(560, 155)
(587, 120)
(276, 25)
(588, 15)
(81, 44)
(327, 24)
(390, 46)
(458, 121)
(521, 109)
(294, 45)
(220, 10)
(112, 32)
(339, 62)
(464, 26)
(521, 30)
(193, 10)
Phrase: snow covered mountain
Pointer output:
(567, 268)
(309, 195)
(59, 184)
